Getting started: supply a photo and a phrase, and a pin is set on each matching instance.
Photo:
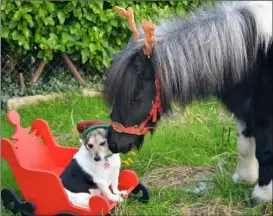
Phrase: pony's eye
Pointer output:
(103, 143)
(90, 146)
(136, 99)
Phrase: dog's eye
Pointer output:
(103, 143)
(90, 146)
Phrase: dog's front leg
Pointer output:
(108, 193)
(114, 184)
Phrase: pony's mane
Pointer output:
(118, 78)
(194, 56)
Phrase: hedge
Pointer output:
(85, 30)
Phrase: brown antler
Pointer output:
(129, 14)
(149, 30)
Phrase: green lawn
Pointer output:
(203, 136)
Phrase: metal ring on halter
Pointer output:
(118, 127)
(138, 129)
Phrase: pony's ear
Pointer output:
(139, 62)
(143, 66)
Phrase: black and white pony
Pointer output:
(224, 51)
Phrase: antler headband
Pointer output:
(149, 31)
(148, 28)
(129, 14)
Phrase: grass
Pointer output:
(202, 138)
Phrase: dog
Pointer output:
(92, 170)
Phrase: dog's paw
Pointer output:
(118, 192)
(115, 198)
(123, 192)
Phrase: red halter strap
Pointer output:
(142, 129)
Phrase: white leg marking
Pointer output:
(79, 199)
(247, 167)
(95, 192)
(108, 193)
(114, 184)
(118, 192)
(262, 193)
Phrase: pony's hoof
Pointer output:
(243, 176)
(253, 202)
(262, 193)
(235, 177)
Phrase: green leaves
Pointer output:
(90, 16)
(77, 13)
(50, 6)
(15, 35)
(61, 17)
(64, 37)
(118, 41)
(96, 6)
(5, 32)
(28, 18)
(82, 29)
(3, 5)
(42, 12)
(28, 8)
(26, 32)
(114, 22)
(92, 47)
(48, 21)
(17, 15)
(85, 55)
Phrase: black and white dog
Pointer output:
(92, 170)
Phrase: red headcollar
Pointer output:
(142, 129)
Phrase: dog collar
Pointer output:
(108, 156)
(106, 163)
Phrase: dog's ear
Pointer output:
(83, 141)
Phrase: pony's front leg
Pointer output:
(247, 167)
(264, 153)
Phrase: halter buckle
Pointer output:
(140, 129)
(118, 127)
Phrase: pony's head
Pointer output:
(132, 89)
(133, 94)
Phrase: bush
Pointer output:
(85, 30)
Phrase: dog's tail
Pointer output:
(79, 199)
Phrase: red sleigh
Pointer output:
(36, 161)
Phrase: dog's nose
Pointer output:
(97, 157)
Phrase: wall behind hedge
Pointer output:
(86, 30)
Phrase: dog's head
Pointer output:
(96, 144)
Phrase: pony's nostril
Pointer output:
(114, 147)
(126, 150)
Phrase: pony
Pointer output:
(224, 51)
